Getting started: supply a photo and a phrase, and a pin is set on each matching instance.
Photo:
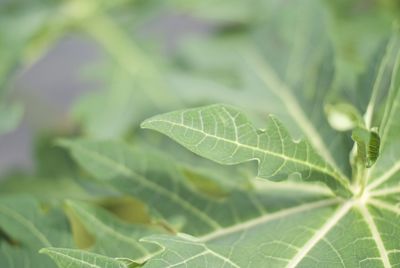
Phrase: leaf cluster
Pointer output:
(269, 140)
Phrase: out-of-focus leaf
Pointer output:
(25, 34)
(343, 116)
(224, 178)
(10, 116)
(128, 209)
(136, 87)
(358, 28)
(152, 179)
(51, 160)
(386, 172)
(108, 235)
(43, 188)
(29, 227)
(227, 11)
(82, 237)
(276, 68)
(373, 86)
(114, 111)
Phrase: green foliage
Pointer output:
(78, 258)
(305, 172)
(368, 143)
(10, 115)
(225, 135)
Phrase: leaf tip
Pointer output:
(44, 251)
(145, 124)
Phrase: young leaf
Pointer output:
(343, 116)
(368, 144)
(223, 134)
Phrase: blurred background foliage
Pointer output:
(156, 56)
(234, 52)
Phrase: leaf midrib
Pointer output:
(368, 218)
(195, 243)
(268, 217)
(340, 213)
(320, 234)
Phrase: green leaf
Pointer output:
(126, 107)
(344, 235)
(136, 88)
(357, 35)
(386, 172)
(273, 67)
(301, 226)
(48, 189)
(385, 81)
(368, 143)
(78, 258)
(10, 117)
(268, 57)
(155, 180)
(343, 116)
(223, 134)
(29, 226)
(112, 237)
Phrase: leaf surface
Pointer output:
(274, 67)
(223, 134)
(10, 116)
(78, 258)
(344, 235)
(300, 226)
(112, 237)
(28, 226)
(152, 178)
(386, 172)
